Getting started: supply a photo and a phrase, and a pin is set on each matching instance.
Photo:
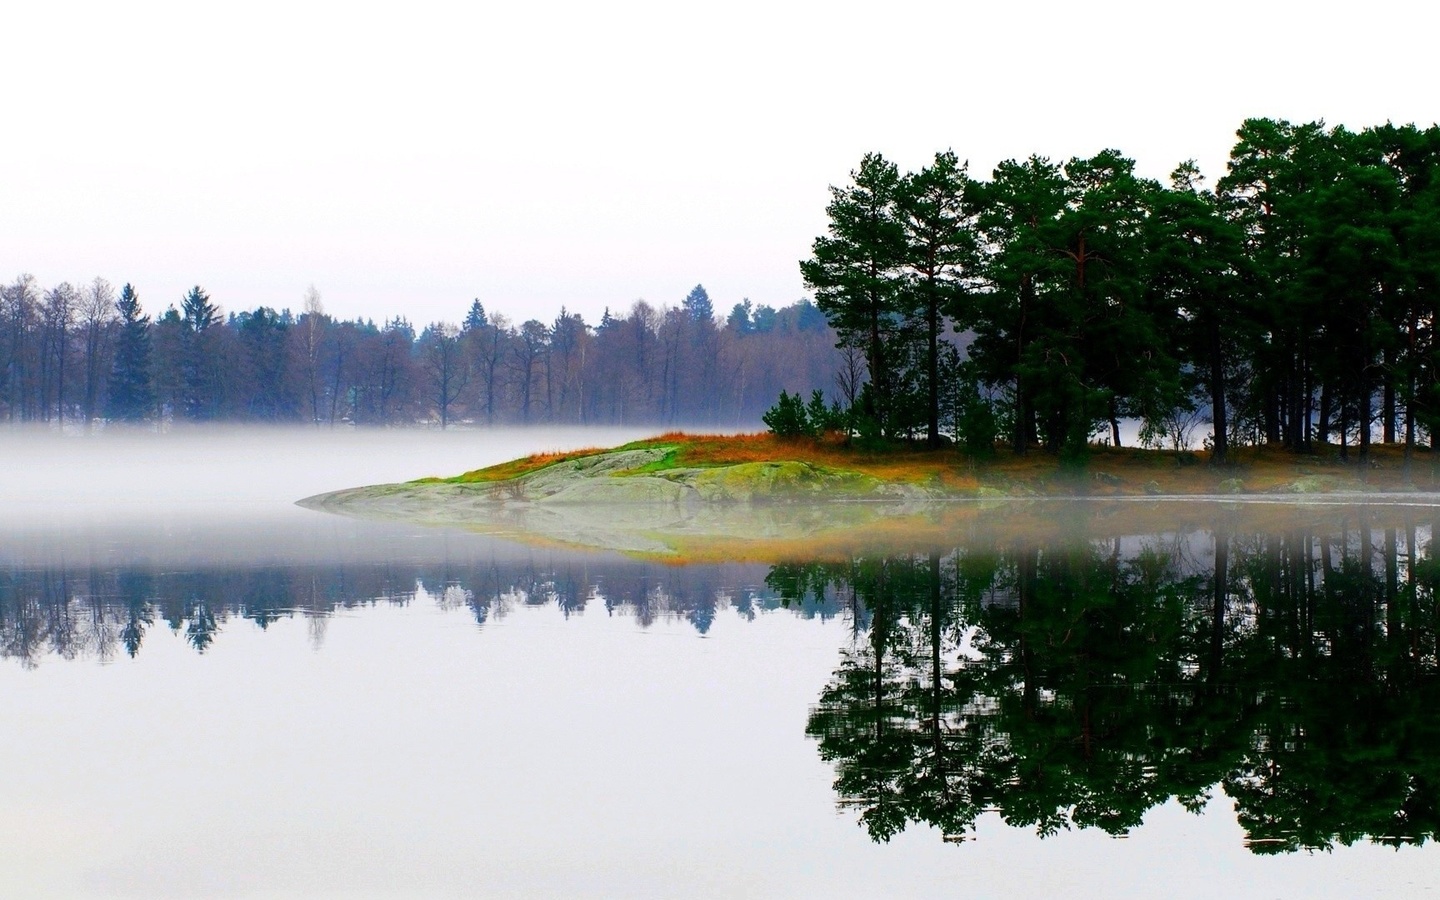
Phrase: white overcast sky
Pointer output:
(406, 158)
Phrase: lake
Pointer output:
(210, 692)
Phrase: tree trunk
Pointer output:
(1024, 416)
(1365, 416)
(1272, 414)
(1412, 327)
(1220, 442)
(1387, 411)
(932, 425)
(1295, 434)
(1307, 408)
(1322, 430)
(1344, 431)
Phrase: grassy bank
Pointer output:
(1108, 471)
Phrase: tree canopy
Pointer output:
(1292, 303)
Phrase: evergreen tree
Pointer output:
(1017, 211)
(1349, 263)
(199, 373)
(198, 313)
(853, 270)
(941, 257)
(739, 319)
(764, 319)
(476, 319)
(1121, 333)
(1197, 266)
(262, 338)
(1272, 168)
(697, 304)
(1413, 155)
(131, 397)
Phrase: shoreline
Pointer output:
(653, 499)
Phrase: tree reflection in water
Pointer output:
(1084, 682)
(95, 611)
(1073, 682)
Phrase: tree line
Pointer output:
(1294, 302)
(85, 354)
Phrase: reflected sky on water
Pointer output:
(272, 702)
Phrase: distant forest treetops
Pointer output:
(82, 355)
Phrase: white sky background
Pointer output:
(408, 158)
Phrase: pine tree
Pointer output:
(697, 304)
(131, 396)
(199, 368)
(1197, 267)
(1018, 209)
(941, 256)
(476, 319)
(853, 270)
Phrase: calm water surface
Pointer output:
(215, 694)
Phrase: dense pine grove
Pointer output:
(1295, 302)
(85, 355)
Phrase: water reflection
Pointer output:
(1075, 682)
(103, 608)
(1083, 683)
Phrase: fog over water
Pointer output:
(128, 473)
(323, 706)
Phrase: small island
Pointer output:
(763, 468)
(715, 495)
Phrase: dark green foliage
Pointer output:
(200, 377)
(853, 272)
(131, 398)
(792, 416)
(972, 416)
(739, 319)
(263, 334)
(1297, 301)
(939, 271)
(788, 417)
(697, 304)
(476, 319)
(197, 311)
(1197, 267)
(764, 319)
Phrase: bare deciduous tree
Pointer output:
(446, 368)
(97, 312)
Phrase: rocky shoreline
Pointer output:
(631, 500)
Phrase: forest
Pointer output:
(1292, 303)
(75, 356)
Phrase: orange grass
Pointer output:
(1108, 471)
(898, 463)
(515, 467)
